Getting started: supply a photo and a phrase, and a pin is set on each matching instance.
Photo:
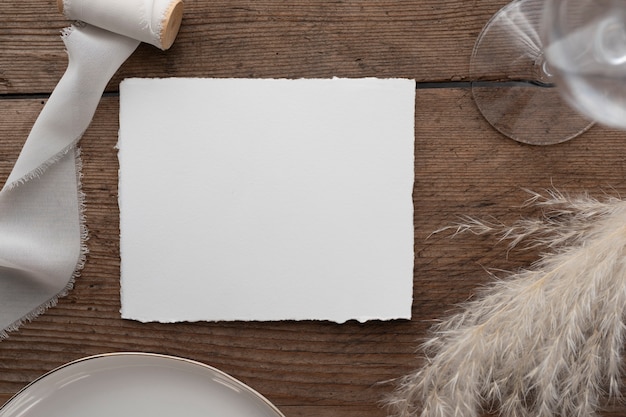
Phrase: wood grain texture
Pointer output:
(421, 39)
(462, 166)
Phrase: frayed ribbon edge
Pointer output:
(84, 237)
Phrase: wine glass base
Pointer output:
(511, 85)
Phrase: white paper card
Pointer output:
(249, 199)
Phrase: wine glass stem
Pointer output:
(544, 74)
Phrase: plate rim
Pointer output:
(193, 362)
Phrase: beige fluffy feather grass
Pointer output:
(543, 342)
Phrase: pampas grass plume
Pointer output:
(543, 342)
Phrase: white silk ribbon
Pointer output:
(42, 232)
(143, 20)
(42, 227)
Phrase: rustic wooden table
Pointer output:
(462, 166)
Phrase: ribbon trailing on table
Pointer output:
(42, 229)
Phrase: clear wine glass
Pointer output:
(585, 46)
(532, 68)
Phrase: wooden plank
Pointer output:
(316, 368)
(424, 40)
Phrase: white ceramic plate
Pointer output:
(137, 384)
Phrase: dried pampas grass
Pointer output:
(542, 342)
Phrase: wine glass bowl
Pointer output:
(585, 46)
